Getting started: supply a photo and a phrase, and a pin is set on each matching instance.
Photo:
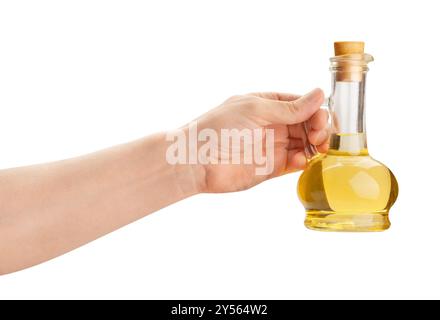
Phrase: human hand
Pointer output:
(284, 114)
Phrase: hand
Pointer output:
(284, 113)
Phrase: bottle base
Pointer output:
(347, 222)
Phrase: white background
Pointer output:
(77, 76)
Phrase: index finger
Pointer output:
(280, 96)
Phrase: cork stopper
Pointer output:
(349, 60)
(349, 47)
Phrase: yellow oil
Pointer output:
(346, 189)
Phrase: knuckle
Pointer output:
(250, 103)
(233, 98)
(293, 107)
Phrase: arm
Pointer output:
(49, 209)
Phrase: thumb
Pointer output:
(291, 112)
(303, 108)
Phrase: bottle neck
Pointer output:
(348, 115)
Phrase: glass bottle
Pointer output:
(346, 189)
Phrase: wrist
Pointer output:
(190, 178)
(188, 175)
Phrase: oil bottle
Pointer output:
(346, 189)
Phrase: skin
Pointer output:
(49, 209)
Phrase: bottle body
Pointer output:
(342, 191)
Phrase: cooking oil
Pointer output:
(346, 189)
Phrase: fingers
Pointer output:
(323, 148)
(295, 143)
(319, 120)
(276, 96)
(296, 160)
(303, 108)
(319, 132)
(318, 137)
(287, 112)
(315, 137)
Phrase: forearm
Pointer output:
(49, 209)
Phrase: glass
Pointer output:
(346, 189)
